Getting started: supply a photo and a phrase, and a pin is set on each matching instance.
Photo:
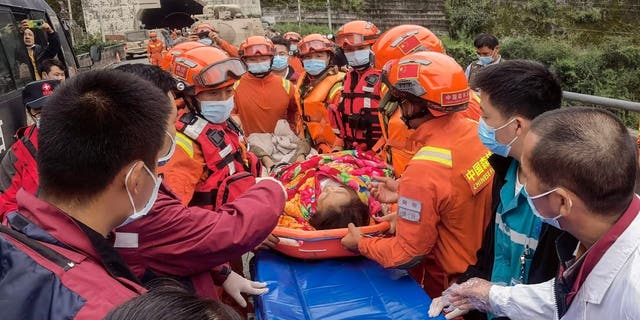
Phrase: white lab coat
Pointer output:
(611, 291)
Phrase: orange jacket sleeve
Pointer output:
(416, 234)
(292, 109)
(185, 169)
(228, 47)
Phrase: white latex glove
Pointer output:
(440, 303)
(236, 285)
(276, 181)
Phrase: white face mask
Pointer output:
(152, 198)
(162, 161)
(552, 221)
(358, 58)
(217, 111)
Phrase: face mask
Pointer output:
(551, 221)
(485, 60)
(488, 137)
(280, 63)
(162, 161)
(152, 199)
(38, 123)
(314, 66)
(259, 67)
(206, 41)
(293, 47)
(217, 111)
(358, 58)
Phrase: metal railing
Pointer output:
(602, 101)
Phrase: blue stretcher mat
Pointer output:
(349, 288)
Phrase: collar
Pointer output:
(433, 127)
(508, 198)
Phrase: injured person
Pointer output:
(329, 191)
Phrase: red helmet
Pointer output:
(428, 78)
(314, 43)
(206, 68)
(357, 33)
(292, 36)
(203, 27)
(257, 46)
(402, 40)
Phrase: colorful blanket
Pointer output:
(302, 181)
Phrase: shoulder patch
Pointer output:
(434, 154)
(479, 174)
(409, 209)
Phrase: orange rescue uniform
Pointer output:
(444, 205)
(228, 48)
(296, 64)
(154, 51)
(261, 102)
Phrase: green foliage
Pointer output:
(345, 5)
(306, 29)
(85, 45)
(467, 17)
(460, 49)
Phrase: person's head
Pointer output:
(427, 84)
(257, 52)
(28, 37)
(402, 40)
(100, 138)
(338, 206)
(153, 36)
(165, 82)
(34, 96)
(294, 38)
(355, 38)
(316, 53)
(579, 166)
(206, 76)
(172, 303)
(283, 51)
(513, 94)
(487, 48)
(52, 69)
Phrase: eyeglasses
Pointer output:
(220, 72)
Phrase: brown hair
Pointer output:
(334, 217)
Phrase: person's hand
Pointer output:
(350, 241)
(284, 190)
(24, 25)
(384, 189)
(214, 36)
(47, 28)
(440, 303)
(236, 285)
(473, 294)
(269, 243)
(391, 218)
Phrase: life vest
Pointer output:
(314, 110)
(357, 114)
(25, 150)
(230, 169)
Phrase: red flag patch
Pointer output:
(409, 44)
(454, 98)
(181, 70)
(46, 89)
(408, 71)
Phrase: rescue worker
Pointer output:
(281, 61)
(319, 87)
(398, 144)
(261, 97)
(18, 168)
(155, 48)
(58, 261)
(444, 196)
(199, 241)
(356, 116)
(178, 49)
(488, 51)
(294, 38)
(207, 34)
(211, 165)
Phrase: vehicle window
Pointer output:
(6, 79)
(135, 36)
(15, 51)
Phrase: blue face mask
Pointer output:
(488, 137)
(314, 66)
(280, 63)
(358, 58)
(259, 67)
(217, 111)
(206, 41)
(485, 60)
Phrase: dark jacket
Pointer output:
(545, 260)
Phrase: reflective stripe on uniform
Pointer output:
(287, 85)
(185, 143)
(516, 237)
(334, 90)
(439, 155)
(236, 84)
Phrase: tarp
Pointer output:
(348, 288)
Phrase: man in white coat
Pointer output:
(580, 165)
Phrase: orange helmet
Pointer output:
(257, 46)
(292, 36)
(203, 27)
(357, 33)
(428, 78)
(153, 34)
(402, 40)
(314, 43)
(178, 49)
(205, 68)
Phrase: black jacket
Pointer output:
(545, 260)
